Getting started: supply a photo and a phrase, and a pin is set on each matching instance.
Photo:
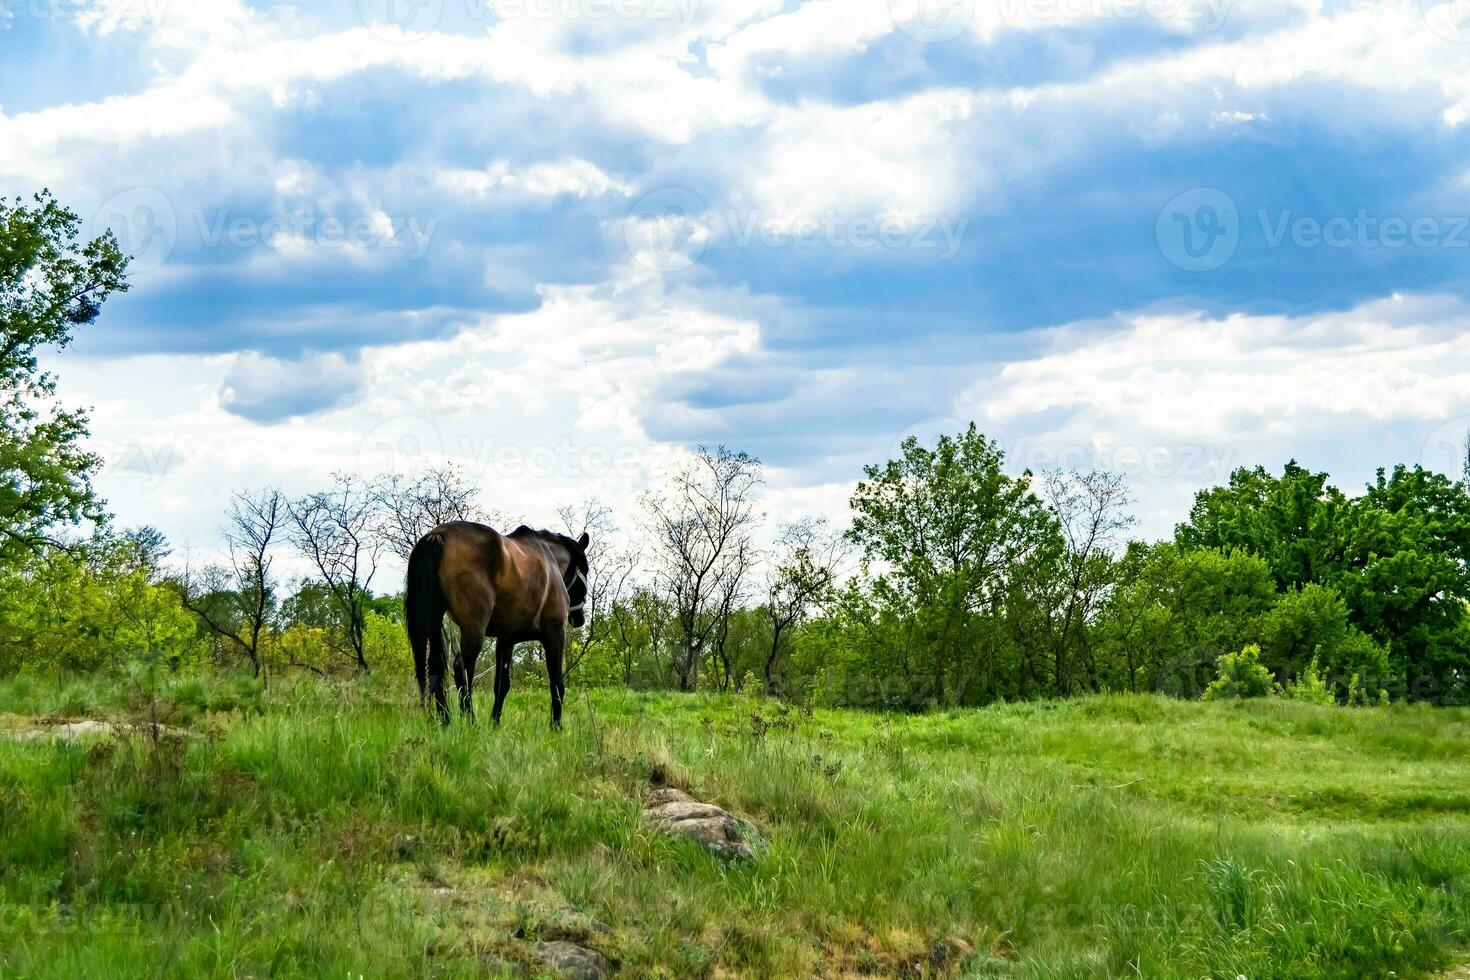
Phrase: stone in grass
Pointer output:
(675, 812)
(72, 731)
(570, 961)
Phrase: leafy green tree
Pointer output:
(1398, 555)
(1406, 574)
(1174, 612)
(944, 529)
(51, 281)
(1310, 687)
(1291, 521)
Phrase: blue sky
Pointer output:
(558, 242)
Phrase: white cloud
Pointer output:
(1178, 400)
(573, 176)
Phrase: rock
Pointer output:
(675, 812)
(67, 732)
(73, 731)
(570, 961)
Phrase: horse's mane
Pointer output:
(566, 541)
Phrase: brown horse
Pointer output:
(517, 587)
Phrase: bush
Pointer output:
(1241, 675)
(1309, 687)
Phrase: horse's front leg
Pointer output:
(503, 650)
(464, 671)
(554, 642)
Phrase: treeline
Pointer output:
(955, 583)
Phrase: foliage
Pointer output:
(941, 531)
(1242, 675)
(1398, 556)
(94, 605)
(1309, 687)
(51, 281)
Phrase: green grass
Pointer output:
(329, 830)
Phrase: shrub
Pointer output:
(1309, 687)
(1241, 675)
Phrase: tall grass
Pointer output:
(331, 830)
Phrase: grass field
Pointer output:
(329, 830)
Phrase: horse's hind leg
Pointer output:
(436, 667)
(464, 670)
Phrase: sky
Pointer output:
(558, 243)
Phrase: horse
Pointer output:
(517, 587)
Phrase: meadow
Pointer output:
(321, 828)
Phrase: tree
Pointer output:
(946, 528)
(1311, 625)
(410, 508)
(235, 602)
(805, 566)
(50, 282)
(1090, 511)
(1291, 521)
(334, 530)
(701, 524)
(1405, 574)
(94, 604)
(1173, 613)
(611, 565)
(1398, 555)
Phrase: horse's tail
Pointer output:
(424, 604)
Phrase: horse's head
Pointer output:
(577, 570)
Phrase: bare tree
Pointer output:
(1091, 511)
(734, 589)
(336, 530)
(235, 602)
(808, 559)
(611, 565)
(701, 525)
(410, 508)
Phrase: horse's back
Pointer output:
(467, 570)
